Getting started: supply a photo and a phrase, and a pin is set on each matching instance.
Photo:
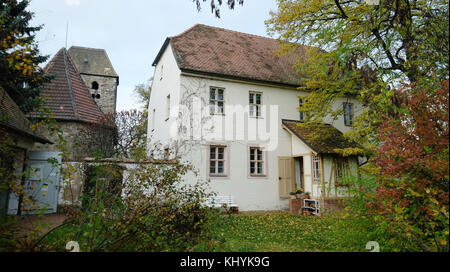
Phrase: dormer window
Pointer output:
(94, 85)
(348, 114)
(302, 114)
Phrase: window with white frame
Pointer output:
(216, 100)
(255, 101)
(257, 161)
(348, 113)
(316, 168)
(217, 161)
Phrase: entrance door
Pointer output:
(299, 173)
(284, 176)
(43, 181)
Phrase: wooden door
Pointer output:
(284, 176)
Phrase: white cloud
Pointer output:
(73, 2)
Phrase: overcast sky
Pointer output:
(133, 31)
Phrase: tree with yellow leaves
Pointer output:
(20, 74)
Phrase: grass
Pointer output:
(280, 231)
(272, 232)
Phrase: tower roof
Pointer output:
(92, 61)
(67, 97)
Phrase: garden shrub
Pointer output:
(156, 211)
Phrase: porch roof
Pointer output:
(13, 119)
(321, 138)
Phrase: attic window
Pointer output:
(95, 85)
(348, 114)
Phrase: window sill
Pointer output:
(258, 176)
(218, 176)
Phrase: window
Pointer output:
(162, 72)
(316, 168)
(216, 100)
(348, 114)
(302, 115)
(217, 161)
(168, 107)
(153, 119)
(257, 164)
(94, 85)
(254, 101)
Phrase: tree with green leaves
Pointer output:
(20, 74)
(365, 51)
(393, 58)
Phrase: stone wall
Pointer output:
(107, 89)
(70, 131)
(82, 140)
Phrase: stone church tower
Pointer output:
(98, 74)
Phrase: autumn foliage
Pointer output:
(413, 169)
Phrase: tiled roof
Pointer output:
(12, 118)
(222, 52)
(321, 138)
(92, 61)
(66, 95)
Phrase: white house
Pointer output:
(224, 101)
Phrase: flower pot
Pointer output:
(307, 196)
(298, 196)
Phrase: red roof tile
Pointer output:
(12, 118)
(66, 95)
(229, 53)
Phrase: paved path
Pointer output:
(46, 222)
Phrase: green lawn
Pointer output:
(279, 231)
(270, 231)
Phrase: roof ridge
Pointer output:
(300, 121)
(184, 32)
(69, 81)
(89, 48)
(239, 32)
(52, 61)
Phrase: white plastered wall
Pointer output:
(249, 192)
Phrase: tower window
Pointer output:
(94, 85)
